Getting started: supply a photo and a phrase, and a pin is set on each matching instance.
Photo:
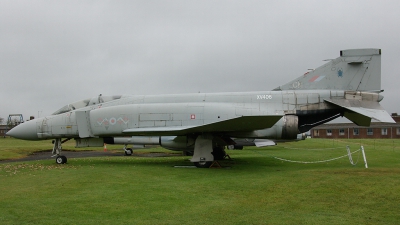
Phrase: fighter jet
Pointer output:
(206, 123)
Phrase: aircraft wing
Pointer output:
(240, 124)
(361, 112)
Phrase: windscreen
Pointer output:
(86, 102)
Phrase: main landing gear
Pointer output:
(57, 148)
(206, 151)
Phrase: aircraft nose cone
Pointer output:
(25, 131)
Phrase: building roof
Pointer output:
(352, 125)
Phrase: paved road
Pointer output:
(82, 154)
(68, 154)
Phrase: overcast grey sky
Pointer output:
(56, 52)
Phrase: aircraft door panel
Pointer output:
(71, 128)
(288, 102)
(313, 98)
(83, 122)
(301, 99)
(154, 119)
(43, 129)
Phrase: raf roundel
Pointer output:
(112, 121)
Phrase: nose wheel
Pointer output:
(61, 159)
(128, 151)
(57, 148)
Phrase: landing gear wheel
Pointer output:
(61, 159)
(128, 151)
(204, 164)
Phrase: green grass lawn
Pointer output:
(253, 188)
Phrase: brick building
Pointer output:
(350, 130)
(3, 130)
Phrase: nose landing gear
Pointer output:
(57, 148)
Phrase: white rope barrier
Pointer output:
(312, 148)
(365, 158)
(350, 157)
(349, 154)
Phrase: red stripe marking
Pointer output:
(313, 78)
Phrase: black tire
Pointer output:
(61, 159)
(204, 164)
(128, 151)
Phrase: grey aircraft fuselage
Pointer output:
(114, 117)
(207, 122)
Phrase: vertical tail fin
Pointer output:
(355, 70)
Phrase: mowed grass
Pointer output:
(252, 188)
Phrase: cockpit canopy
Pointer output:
(86, 102)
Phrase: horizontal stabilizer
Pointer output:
(244, 123)
(361, 112)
